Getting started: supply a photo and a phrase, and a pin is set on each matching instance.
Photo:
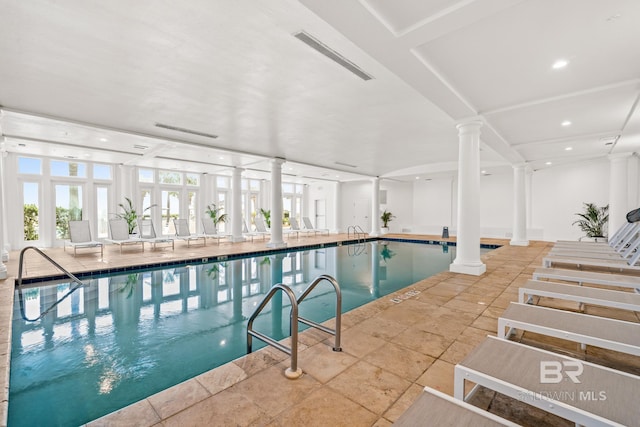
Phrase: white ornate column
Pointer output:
(337, 208)
(519, 206)
(468, 233)
(276, 204)
(618, 190)
(236, 205)
(375, 207)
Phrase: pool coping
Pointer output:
(229, 257)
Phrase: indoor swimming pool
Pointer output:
(121, 338)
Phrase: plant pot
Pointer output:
(384, 230)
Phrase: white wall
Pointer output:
(559, 193)
(433, 206)
(496, 205)
(399, 203)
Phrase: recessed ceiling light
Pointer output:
(417, 177)
(548, 163)
(483, 172)
(560, 63)
(103, 139)
(566, 123)
(568, 149)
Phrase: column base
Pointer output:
(374, 234)
(277, 245)
(5, 256)
(236, 239)
(519, 243)
(3, 271)
(474, 269)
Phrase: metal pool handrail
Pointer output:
(335, 332)
(292, 372)
(18, 282)
(357, 231)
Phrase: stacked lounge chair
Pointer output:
(583, 392)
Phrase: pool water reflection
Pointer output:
(121, 338)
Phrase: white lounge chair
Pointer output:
(80, 237)
(210, 230)
(119, 232)
(587, 394)
(584, 329)
(310, 227)
(148, 234)
(580, 294)
(295, 227)
(434, 408)
(183, 232)
(261, 228)
(581, 277)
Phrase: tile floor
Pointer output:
(390, 350)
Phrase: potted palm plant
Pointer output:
(593, 221)
(129, 214)
(216, 214)
(266, 214)
(386, 218)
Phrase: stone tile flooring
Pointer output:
(390, 350)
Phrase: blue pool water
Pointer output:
(121, 338)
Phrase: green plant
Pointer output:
(267, 216)
(63, 216)
(386, 253)
(593, 219)
(386, 218)
(30, 222)
(216, 214)
(129, 213)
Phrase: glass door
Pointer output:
(68, 205)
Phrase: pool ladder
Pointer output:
(78, 282)
(293, 371)
(358, 232)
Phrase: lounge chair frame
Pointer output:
(485, 367)
(183, 232)
(433, 407)
(151, 237)
(118, 229)
(580, 294)
(584, 329)
(80, 237)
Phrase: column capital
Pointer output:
(278, 161)
(238, 170)
(469, 124)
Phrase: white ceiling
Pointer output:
(91, 79)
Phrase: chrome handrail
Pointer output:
(292, 372)
(357, 231)
(335, 332)
(18, 282)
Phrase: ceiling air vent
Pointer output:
(345, 164)
(332, 54)
(192, 132)
(141, 147)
